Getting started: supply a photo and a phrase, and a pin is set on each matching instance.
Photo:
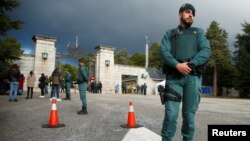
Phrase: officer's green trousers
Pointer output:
(189, 87)
(67, 87)
(82, 91)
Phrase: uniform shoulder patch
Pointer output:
(196, 30)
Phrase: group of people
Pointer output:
(15, 81)
(55, 82)
(138, 90)
(95, 87)
(141, 89)
(13, 84)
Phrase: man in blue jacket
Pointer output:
(185, 50)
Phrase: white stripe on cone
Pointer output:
(53, 106)
(131, 108)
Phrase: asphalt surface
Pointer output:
(23, 120)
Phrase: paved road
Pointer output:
(22, 120)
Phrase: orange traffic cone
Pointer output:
(53, 120)
(131, 121)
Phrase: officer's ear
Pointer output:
(180, 14)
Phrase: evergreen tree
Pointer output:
(242, 60)
(121, 57)
(154, 56)
(221, 59)
(10, 49)
(6, 23)
(137, 60)
(72, 70)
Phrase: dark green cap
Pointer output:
(187, 6)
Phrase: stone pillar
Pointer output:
(105, 68)
(42, 64)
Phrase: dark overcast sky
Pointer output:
(122, 24)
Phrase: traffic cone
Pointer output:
(131, 121)
(53, 120)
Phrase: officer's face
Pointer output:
(187, 17)
(80, 63)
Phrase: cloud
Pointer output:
(119, 23)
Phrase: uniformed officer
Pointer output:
(82, 85)
(183, 50)
(67, 79)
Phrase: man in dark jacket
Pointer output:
(14, 75)
(67, 79)
(55, 79)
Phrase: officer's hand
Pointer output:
(183, 68)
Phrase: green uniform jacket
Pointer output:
(67, 77)
(83, 74)
(186, 41)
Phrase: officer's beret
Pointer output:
(187, 6)
(81, 60)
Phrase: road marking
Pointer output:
(141, 134)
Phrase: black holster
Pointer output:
(168, 94)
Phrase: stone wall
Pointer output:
(135, 71)
(106, 71)
(35, 62)
(111, 74)
(26, 64)
(44, 45)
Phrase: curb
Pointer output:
(141, 134)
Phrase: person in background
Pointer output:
(138, 89)
(14, 75)
(62, 86)
(145, 89)
(117, 88)
(5, 87)
(142, 90)
(20, 84)
(124, 88)
(95, 87)
(42, 85)
(83, 76)
(31, 78)
(92, 86)
(100, 87)
(55, 80)
(47, 81)
(67, 79)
